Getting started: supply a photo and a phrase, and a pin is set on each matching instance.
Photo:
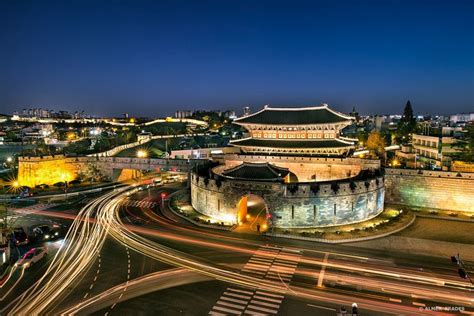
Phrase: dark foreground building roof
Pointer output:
(294, 116)
(257, 171)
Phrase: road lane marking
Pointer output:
(323, 269)
(322, 307)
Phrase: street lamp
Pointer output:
(142, 153)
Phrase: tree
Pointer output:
(407, 124)
(91, 172)
(376, 144)
(468, 151)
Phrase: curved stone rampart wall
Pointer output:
(292, 205)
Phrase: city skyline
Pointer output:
(150, 59)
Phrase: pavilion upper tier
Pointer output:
(300, 131)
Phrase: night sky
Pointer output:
(153, 57)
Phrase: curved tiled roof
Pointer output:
(294, 116)
(265, 143)
(253, 171)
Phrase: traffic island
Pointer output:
(389, 222)
(180, 205)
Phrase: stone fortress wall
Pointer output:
(430, 189)
(292, 205)
(33, 171)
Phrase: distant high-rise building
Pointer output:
(378, 122)
(247, 111)
(462, 117)
(229, 114)
(183, 114)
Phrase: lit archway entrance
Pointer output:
(252, 214)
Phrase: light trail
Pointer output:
(14, 284)
(170, 256)
(142, 285)
(86, 237)
(83, 240)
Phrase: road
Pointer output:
(120, 246)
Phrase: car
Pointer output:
(32, 256)
(45, 232)
(20, 237)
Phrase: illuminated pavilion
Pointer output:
(295, 131)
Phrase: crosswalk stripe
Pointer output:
(286, 275)
(279, 264)
(253, 271)
(245, 297)
(279, 278)
(254, 301)
(278, 269)
(267, 262)
(253, 260)
(287, 261)
(227, 310)
(270, 294)
(216, 313)
(254, 313)
(230, 304)
(274, 300)
(262, 259)
(262, 309)
(233, 300)
(239, 291)
(256, 267)
(291, 250)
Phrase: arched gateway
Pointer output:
(253, 213)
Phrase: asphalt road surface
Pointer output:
(131, 255)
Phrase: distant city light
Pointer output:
(94, 132)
